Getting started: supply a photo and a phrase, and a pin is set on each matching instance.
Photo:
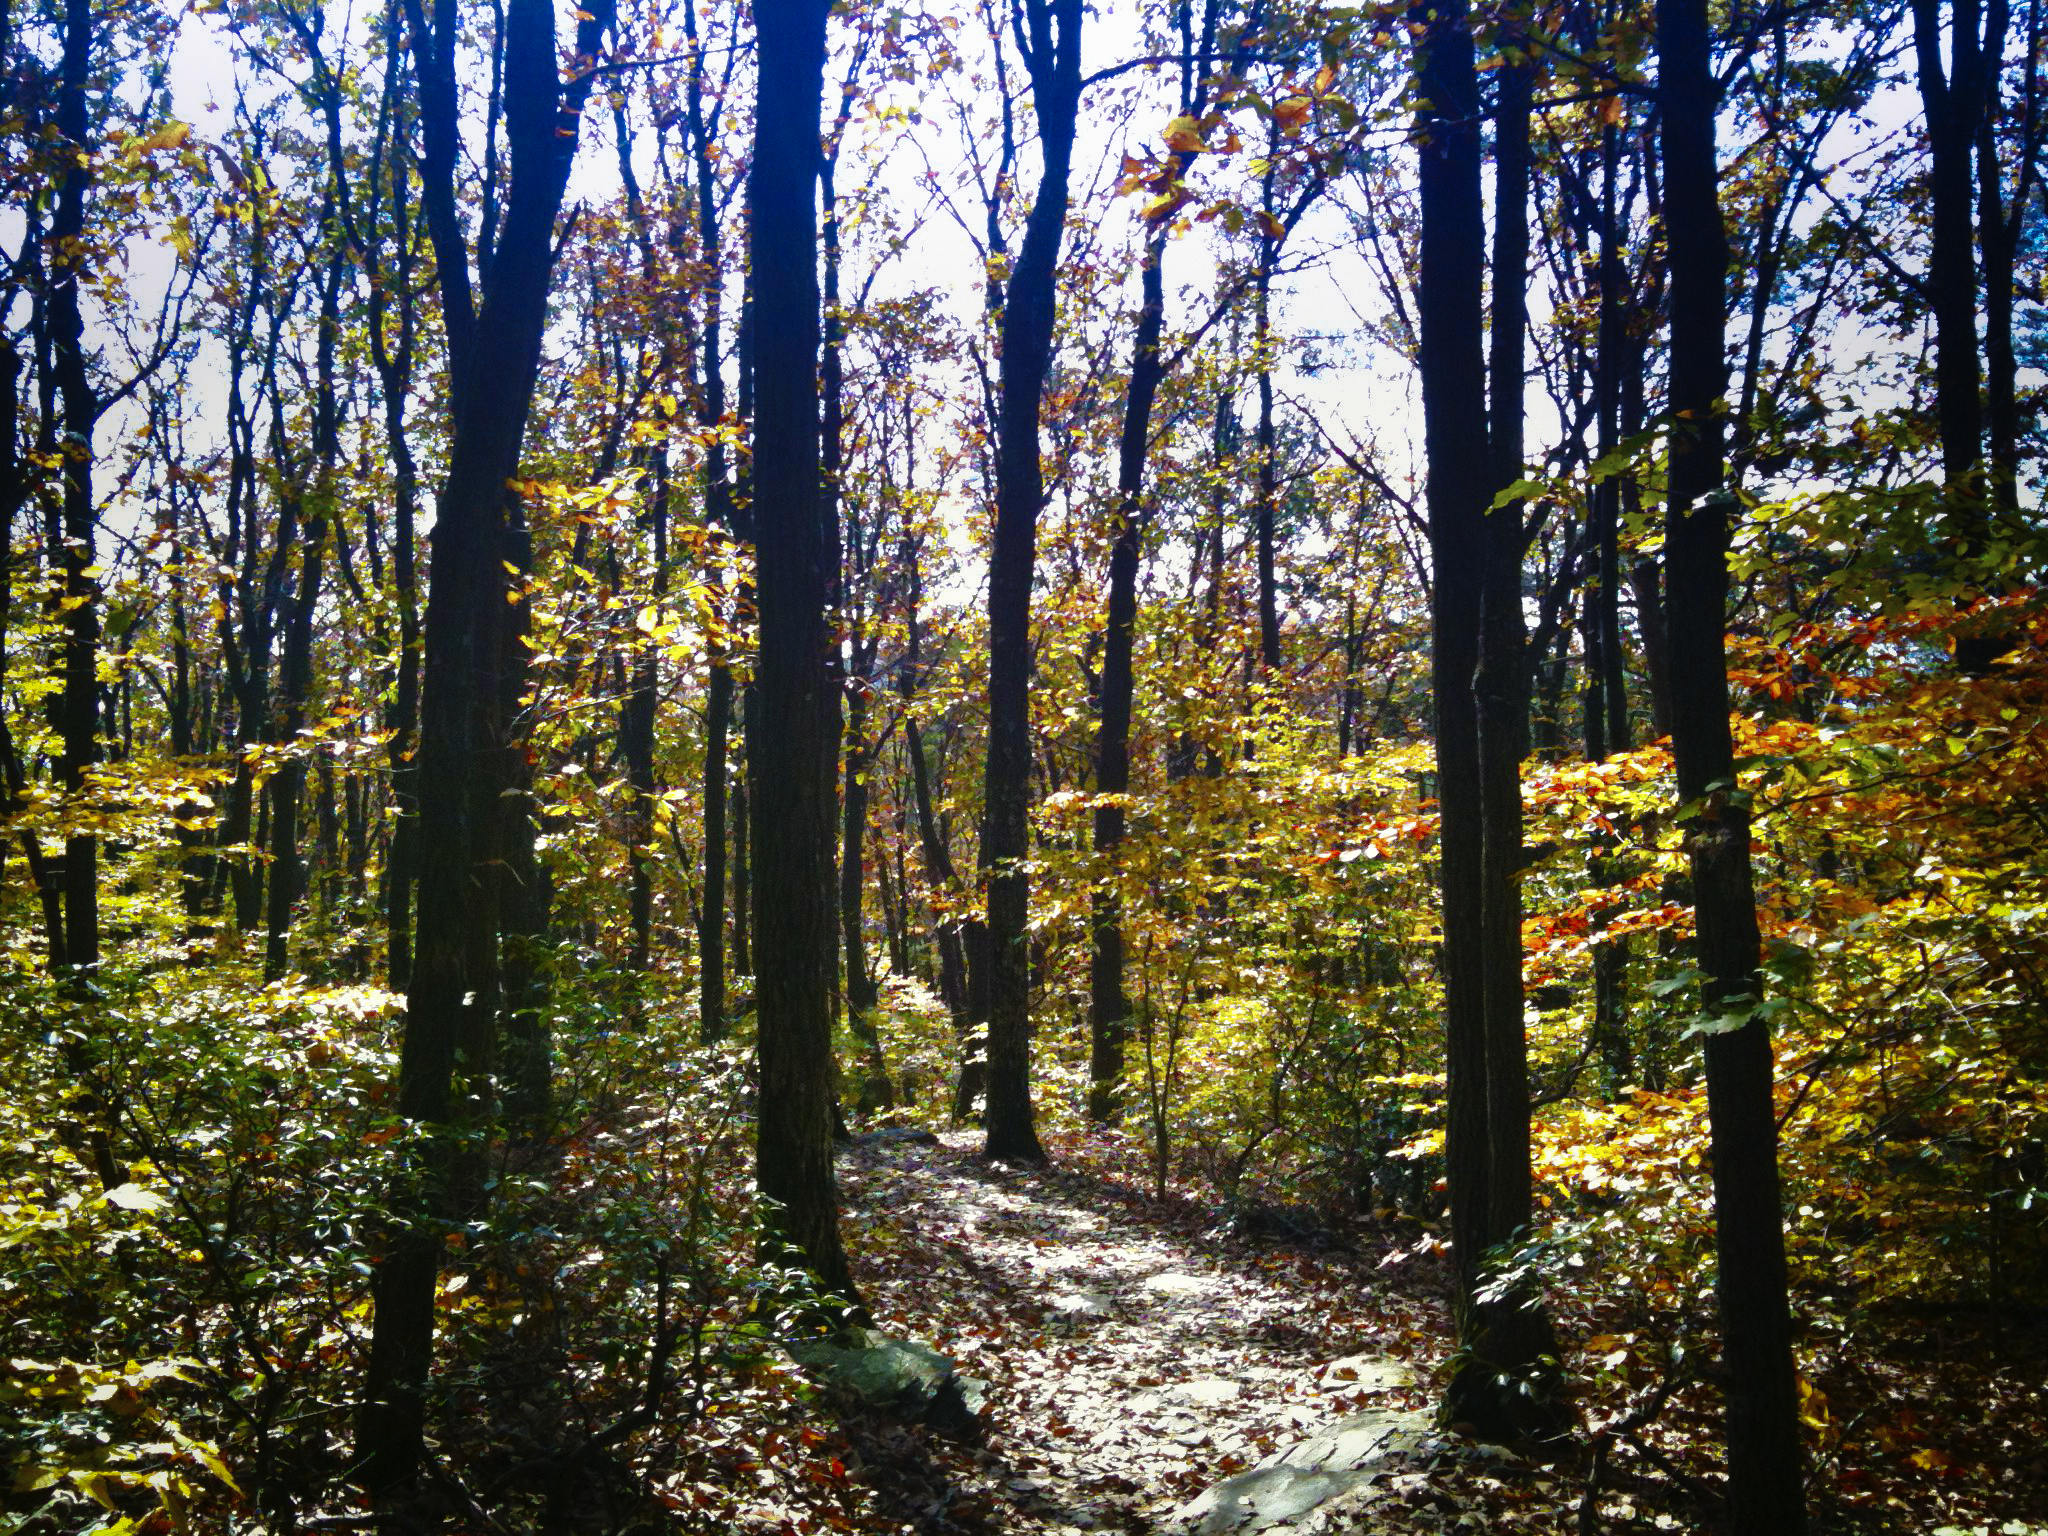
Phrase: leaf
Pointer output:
(208, 1455)
(133, 1197)
(171, 136)
(1521, 490)
(1184, 136)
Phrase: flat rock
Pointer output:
(870, 1370)
(897, 1136)
(1364, 1373)
(1210, 1389)
(1291, 1484)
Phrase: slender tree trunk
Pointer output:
(742, 839)
(1606, 717)
(287, 786)
(1503, 1388)
(718, 504)
(1765, 1473)
(445, 1054)
(711, 904)
(1269, 492)
(1053, 55)
(789, 749)
(1952, 100)
(78, 705)
(1109, 1007)
(1998, 235)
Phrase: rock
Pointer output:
(897, 1136)
(1285, 1487)
(1364, 1373)
(1210, 1389)
(898, 1377)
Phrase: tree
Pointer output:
(493, 362)
(1765, 1474)
(790, 744)
(1050, 40)
(1478, 731)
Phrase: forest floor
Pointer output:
(1138, 1351)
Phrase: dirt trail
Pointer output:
(1134, 1359)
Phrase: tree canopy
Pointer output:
(1409, 628)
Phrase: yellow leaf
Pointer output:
(171, 136)
(1184, 136)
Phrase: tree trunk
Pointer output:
(789, 749)
(494, 362)
(711, 904)
(287, 786)
(718, 506)
(78, 704)
(1953, 103)
(1459, 473)
(1052, 45)
(1269, 493)
(1502, 1389)
(1109, 1008)
(1765, 1475)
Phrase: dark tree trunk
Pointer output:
(1765, 1475)
(711, 904)
(78, 704)
(394, 359)
(1502, 1389)
(1052, 53)
(1109, 1008)
(1606, 716)
(861, 993)
(446, 1051)
(742, 840)
(287, 786)
(1454, 413)
(718, 506)
(790, 741)
(1953, 101)
(637, 720)
(1461, 469)
(1269, 492)
(1999, 224)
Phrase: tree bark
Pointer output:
(1765, 1473)
(78, 703)
(1503, 1389)
(1454, 409)
(1109, 1008)
(1052, 54)
(449, 1028)
(1953, 101)
(718, 509)
(790, 743)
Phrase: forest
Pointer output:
(968, 766)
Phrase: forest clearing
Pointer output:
(1162, 766)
